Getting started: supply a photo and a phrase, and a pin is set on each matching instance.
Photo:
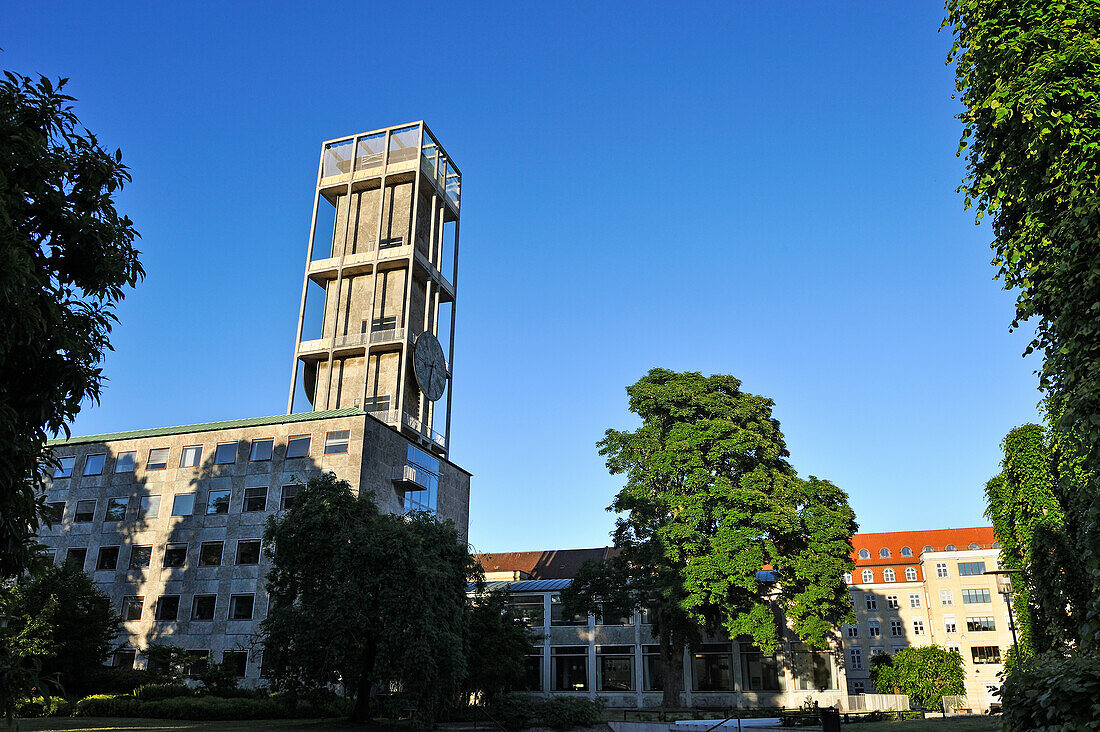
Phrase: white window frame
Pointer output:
(868, 576)
(888, 575)
(910, 574)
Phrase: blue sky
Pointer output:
(760, 189)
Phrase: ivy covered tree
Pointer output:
(1028, 73)
(925, 673)
(66, 258)
(710, 501)
(1041, 470)
(366, 600)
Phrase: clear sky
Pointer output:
(760, 189)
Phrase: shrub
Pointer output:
(107, 705)
(1051, 693)
(39, 707)
(517, 711)
(149, 692)
(105, 680)
(204, 707)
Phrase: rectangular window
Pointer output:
(237, 660)
(197, 662)
(870, 601)
(914, 600)
(814, 670)
(874, 630)
(976, 597)
(240, 607)
(168, 608)
(877, 651)
(158, 459)
(569, 668)
(64, 467)
(712, 668)
(971, 569)
(150, 506)
(55, 510)
(140, 556)
(985, 654)
(980, 624)
(175, 555)
(93, 464)
(949, 624)
(615, 668)
(856, 655)
(946, 599)
(217, 502)
(124, 659)
(558, 616)
(261, 450)
(85, 512)
(131, 607)
(759, 672)
(116, 509)
(290, 492)
(297, 446)
(248, 551)
(225, 452)
(628, 619)
(530, 609)
(853, 631)
(210, 554)
(941, 569)
(532, 672)
(651, 668)
(203, 606)
(896, 628)
(892, 602)
(183, 504)
(108, 558)
(255, 499)
(918, 626)
(77, 556)
(337, 442)
(859, 687)
(125, 462)
(191, 456)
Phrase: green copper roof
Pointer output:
(210, 426)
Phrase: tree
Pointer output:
(66, 257)
(1029, 77)
(499, 643)
(1041, 469)
(372, 601)
(80, 623)
(710, 502)
(925, 673)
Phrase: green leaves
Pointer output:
(926, 674)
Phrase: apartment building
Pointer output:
(917, 588)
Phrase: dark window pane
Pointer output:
(226, 452)
(175, 555)
(210, 554)
(131, 607)
(298, 446)
(248, 552)
(202, 607)
(77, 556)
(85, 512)
(168, 607)
(108, 557)
(290, 492)
(218, 502)
(140, 556)
(116, 509)
(240, 607)
(238, 660)
(255, 499)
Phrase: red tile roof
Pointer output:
(564, 563)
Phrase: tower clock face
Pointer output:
(430, 365)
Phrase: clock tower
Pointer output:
(376, 322)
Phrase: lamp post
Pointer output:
(1004, 587)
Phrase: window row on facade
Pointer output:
(710, 668)
(204, 607)
(121, 508)
(172, 556)
(198, 661)
(885, 553)
(225, 453)
(964, 569)
(979, 655)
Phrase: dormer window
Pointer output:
(884, 553)
(906, 551)
(864, 554)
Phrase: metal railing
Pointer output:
(387, 334)
(319, 344)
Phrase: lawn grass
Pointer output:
(80, 724)
(975, 723)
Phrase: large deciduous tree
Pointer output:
(499, 642)
(74, 620)
(1041, 471)
(368, 600)
(66, 258)
(1029, 77)
(710, 501)
(926, 674)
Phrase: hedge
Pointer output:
(39, 707)
(202, 707)
(517, 711)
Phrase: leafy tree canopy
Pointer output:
(710, 500)
(74, 622)
(373, 601)
(499, 642)
(925, 673)
(66, 258)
